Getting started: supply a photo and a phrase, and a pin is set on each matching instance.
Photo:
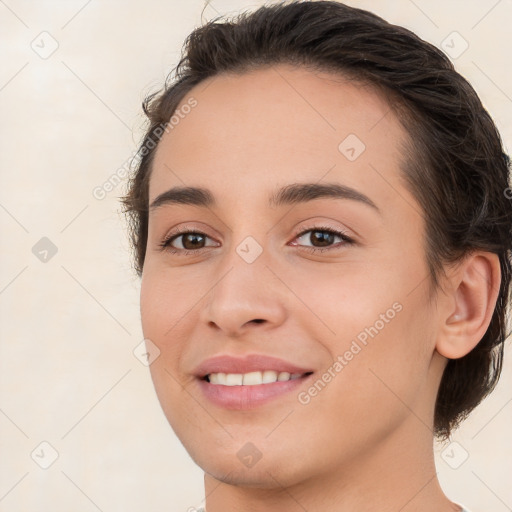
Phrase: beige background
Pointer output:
(68, 376)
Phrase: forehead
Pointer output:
(277, 125)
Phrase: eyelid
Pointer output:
(346, 239)
(322, 225)
(187, 228)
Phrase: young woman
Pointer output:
(321, 221)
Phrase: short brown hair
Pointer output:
(455, 165)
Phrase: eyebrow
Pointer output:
(288, 195)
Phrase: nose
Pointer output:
(247, 296)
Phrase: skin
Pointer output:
(365, 441)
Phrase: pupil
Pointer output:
(193, 239)
(323, 237)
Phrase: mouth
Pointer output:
(241, 392)
(241, 383)
(255, 378)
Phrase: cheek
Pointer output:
(345, 300)
(153, 298)
(166, 297)
(381, 334)
(170, 303)
(387, 374)
(164, 308)
(165, 311)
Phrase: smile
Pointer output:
(247, 391)
(251, 378)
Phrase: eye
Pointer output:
(318, 238)
(322, 238)
(186, 241)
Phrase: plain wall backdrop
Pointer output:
(72, 80)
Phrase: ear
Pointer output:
(469, 304)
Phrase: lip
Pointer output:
(244, 398)
(247, 397)
(251, 363)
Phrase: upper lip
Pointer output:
(249, 363)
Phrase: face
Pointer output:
(332, 280)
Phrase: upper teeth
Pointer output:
(250, 379)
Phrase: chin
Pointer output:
(234, 466)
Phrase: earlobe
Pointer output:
(475, 287)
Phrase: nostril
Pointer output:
(258, 320)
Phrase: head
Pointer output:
(416, 283)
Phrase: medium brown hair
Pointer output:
(455, 165)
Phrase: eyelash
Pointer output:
(165, 244)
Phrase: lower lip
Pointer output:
(248, 397)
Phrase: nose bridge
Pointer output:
(244, 290)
